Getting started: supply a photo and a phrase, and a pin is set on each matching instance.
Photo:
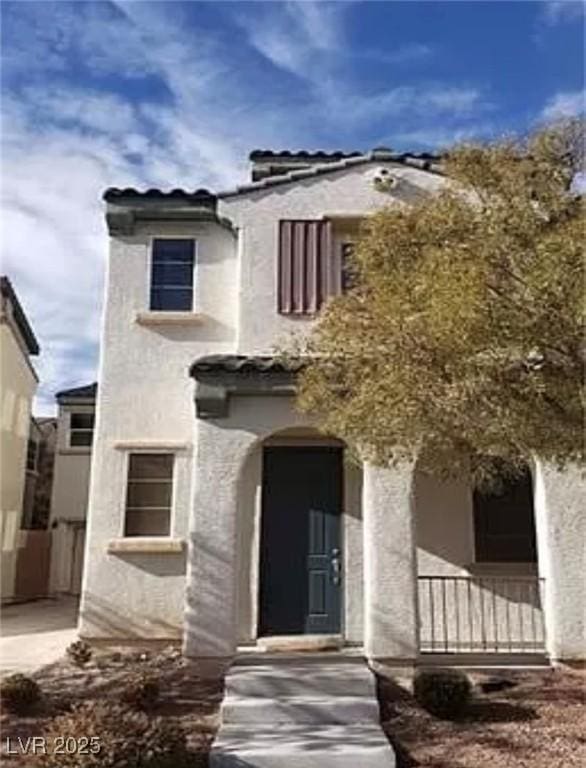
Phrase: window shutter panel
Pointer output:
(306, 272)
(285, 277)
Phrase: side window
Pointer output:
(504, 524)
(149, 494)
(81, 429)
(32, 455)
(347, 278)
(172, 266)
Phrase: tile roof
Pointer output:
(320, 163)
(244, 364)
(269, 154)
(127, 207)
(422, 161)
(86, 392)
(200, 196)
(20, 318)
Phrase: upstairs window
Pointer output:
(172, 268)
(149, 494)
(504, 522)
(81, 429)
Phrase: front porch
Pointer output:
(387, 563)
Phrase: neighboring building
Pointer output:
(40, 457)
(18, 384)
(70, 487)
(34, 550)
(219, 514)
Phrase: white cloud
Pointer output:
(406, 53)
(558, 11)
(438, 138)
(63, 144)
(104, 112)
(562, 105)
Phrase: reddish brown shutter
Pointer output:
(307, 273)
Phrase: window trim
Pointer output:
(148, 450)
(149, 274)
(71, 430)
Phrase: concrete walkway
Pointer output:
(301, 711)
(36, 633)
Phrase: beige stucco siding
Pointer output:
(17, 387)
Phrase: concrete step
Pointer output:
(300, 710)
(275, 681)
(326, 746)
(305, 643)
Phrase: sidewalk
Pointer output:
(36, 633)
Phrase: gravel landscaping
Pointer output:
(186, 696)
(537, 721)
(520, 720)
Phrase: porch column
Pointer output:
(390, 564)
(561, 535)
(210, 629)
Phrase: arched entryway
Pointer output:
(301, 536)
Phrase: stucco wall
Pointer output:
(146, 400)
(349, 192)
(17, 387)
(444, 524)
(225, 525)
(561, 545)
(494, 606)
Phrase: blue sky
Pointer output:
(177, 94)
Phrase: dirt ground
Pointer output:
(539, 722)
(186, 695)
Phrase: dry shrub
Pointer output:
(126, 738)
(79, 652)
(19, 693)
(141, 691)
(444, 693)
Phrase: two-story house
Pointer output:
(220, 515)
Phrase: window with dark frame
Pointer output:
(149, 494)
(81, 429)
(347, 249)
(172, 266)
(32, 455)
(504, 524)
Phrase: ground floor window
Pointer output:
(504, 522)
(149, 494)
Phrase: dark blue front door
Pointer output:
(300, 564)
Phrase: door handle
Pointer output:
(336, 566)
